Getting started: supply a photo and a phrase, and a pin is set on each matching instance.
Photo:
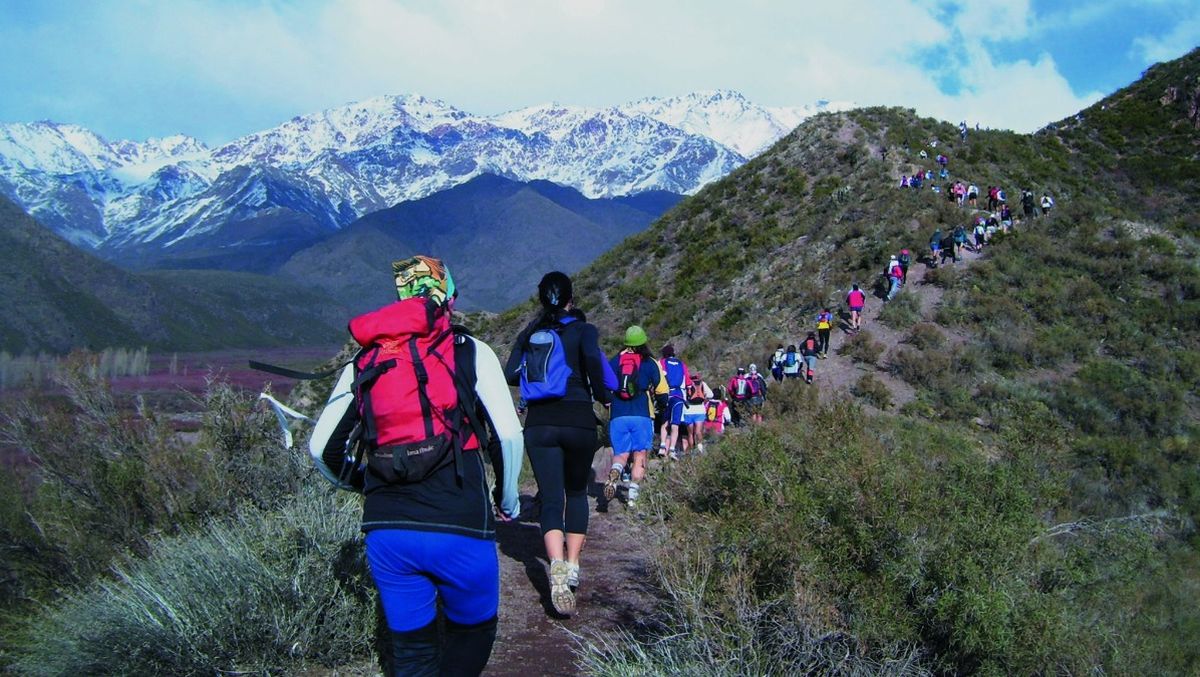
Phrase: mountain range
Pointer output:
(155, 203)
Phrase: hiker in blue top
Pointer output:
(676, 374)
(631, 421)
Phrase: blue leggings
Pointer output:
(412, 569)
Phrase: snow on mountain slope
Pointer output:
(331, 167)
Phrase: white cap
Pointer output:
(754, 369)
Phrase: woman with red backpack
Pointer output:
(560, 368)
(419, 393)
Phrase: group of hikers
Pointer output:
(422, 406)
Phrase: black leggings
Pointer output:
(561, 458)
(823, 336)
(462, 652)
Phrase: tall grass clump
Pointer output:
(261, 592)
(901, 312)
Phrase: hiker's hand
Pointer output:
(501, 515)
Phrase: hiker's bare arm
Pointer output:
(493, 392)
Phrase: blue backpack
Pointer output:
(544, 368)
(674, 369)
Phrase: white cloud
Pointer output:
(487, 56)
(1182, 39)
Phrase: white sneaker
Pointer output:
(674, 456)
(573, 576)
(561, 595)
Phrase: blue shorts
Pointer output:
(676, 406)
(631, 433)
(412, 569)
(856, 309)
(689, 419)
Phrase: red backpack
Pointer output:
(411, 405)
(628, 366)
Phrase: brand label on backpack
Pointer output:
(674, 372)
(741, 387)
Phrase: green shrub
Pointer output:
(268, 591)
(861, 347)
(901, 312)
(873, 390)
(926, 336)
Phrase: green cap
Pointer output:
(635, 336)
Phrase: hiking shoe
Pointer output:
(674, 456)
(610, 487)
(573, 576)
(561, 596)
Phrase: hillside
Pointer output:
(57, 298)
(1040, 439)
(531, 226)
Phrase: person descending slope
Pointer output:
(427, 510)
(809, 348)
(631, 420)
(675, 373)
(824, 327)
(777, 364)
(856, 300)
(557, 362)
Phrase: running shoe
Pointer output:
(560, 589)
(674, 456)
(573, 576)
(610, 487)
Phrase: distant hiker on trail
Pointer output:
(631, 419)
(894, 275)
(675, 373)
(948, 249)
(557, 362)
(791, 362)
(824, 327)
(992, 201)
(856, 300)
(935, 244)
(810, 348)
(973, 195)
(1006, 217)
(716, 413)
(427, 508)
(905, 261)
(883, 151)
(697, 393)
(758, 395)
(1027, 204)
(1047, 204)
(777, 364)
(962, 130)
(904, 181)
(744, 390)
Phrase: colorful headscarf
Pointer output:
(423, 276)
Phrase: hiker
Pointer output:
(980, 233)
(1006, 217)
(883, 151)
(973, 195)
(960, 241)
(905, 261)
(777, 364)
(948, 249)
(935, 244)
(992, 202)
(856, 300)
(904, 180)
(675, 373)
(694, 412)
(716, 413)
(809, 347)
(824, 327)
(893, 274)
(791, 362)
(740, 389)
(428, 518)
(631, 414)
(557, 362)
(1027, 204)
(758, 394)
(1047, 204)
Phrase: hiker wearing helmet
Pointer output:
(675, 373)
(428, 519)
(557, 362)
(631, 421)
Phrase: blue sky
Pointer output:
(217, 69)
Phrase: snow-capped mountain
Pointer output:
(134, 200)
